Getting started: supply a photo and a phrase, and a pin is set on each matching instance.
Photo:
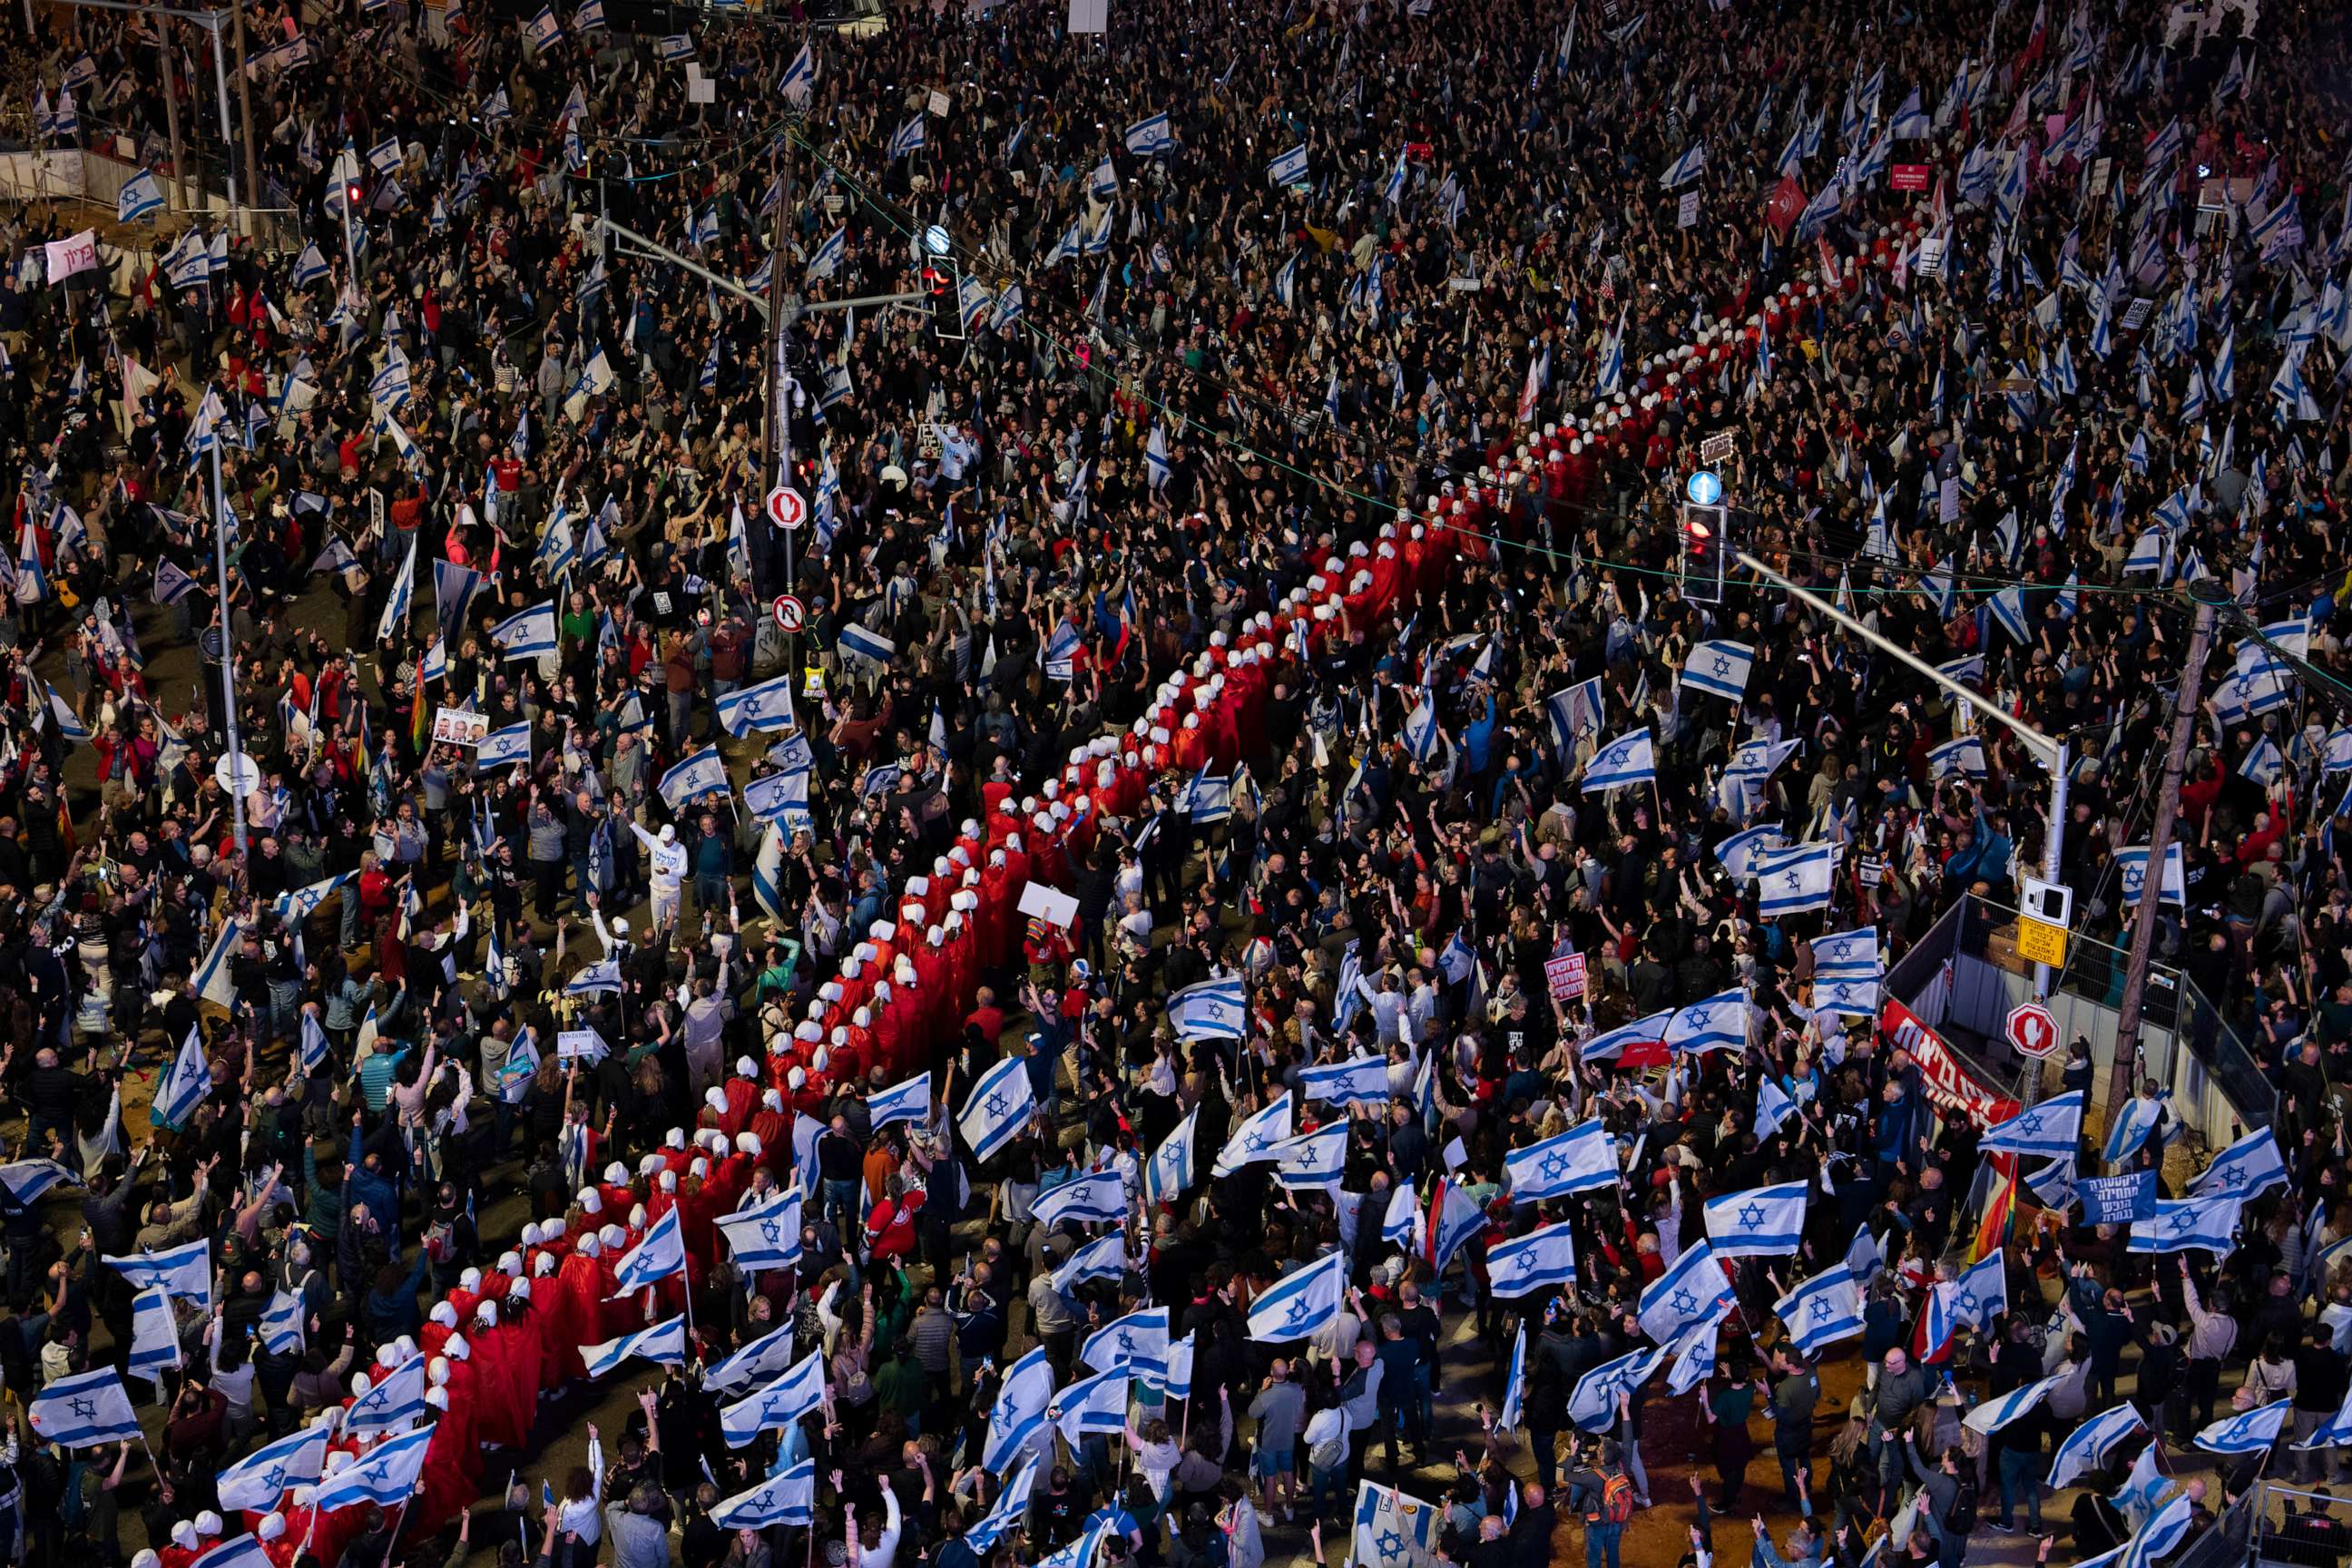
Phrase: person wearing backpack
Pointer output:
(1950, 1510)
(1602, 1496)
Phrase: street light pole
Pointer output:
(229, 651)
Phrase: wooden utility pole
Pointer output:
(164, 44)
(2123, 1074)
(245, 116)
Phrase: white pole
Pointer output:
(228, 141)
(2053, 843)
(228, 640)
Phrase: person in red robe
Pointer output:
(500, 1420)
(577, 1285)
(451, 1477)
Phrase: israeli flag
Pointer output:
(779, 797)
(1210, 1010)
(786, 1498)
(764, 1357)
(907, 138)
(1694, 1290)
(1995, 1414)
(302, 903)
(310, 267)
(1579, 1160)
(1150, 136)
(154, 1335)
(663, 1344)
(259, 1482)
(528, 635)
(703, 774)
(1360, 1081)
(1720, 668)
(2244, 1171)
(1020, 1409)
(1137, 1343)
(544, 29)
(1300, 1303)
(1965, 756)
(1515, 1384)
(1628, 759)
(282, 1332)
(1822, 1311)
(1718, 1022)
(85, 1410)
(1543, 1259)
(2248, 1432)
(2189, 1224)
(1095, 1404)
(749, 708)
(1794, 880)
(1608, 1047)
(2090, 1446)
(1000, 1106)
(140, 196)
(1403, 1219)
(673, 46)
(1739, 854)
(1009, 1508)
(1592, 1404)
(2131, 864)
(1762, 1222)
(1168, 1173)
(394, 1400)
(1205, 800)
(767, 1236)
(1101, 1259)
(1847, 956)
(186, 1271)
(501, 747)
(1253, 1140)
(1575, 712)
(1980, 1294)
(660, 1254)
(1313, 1162)
(827, 259)
(798, 1391)
(799, 77)
(865, 644)
(908, 1101)
(184, 1087)
(1289, 168)
(29, 1180)
(387, 1477)
(602, 976)
(2053, 1128)
(590, 17)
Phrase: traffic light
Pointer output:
(947, 314)
(1704, 547)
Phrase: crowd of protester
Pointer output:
(1248, 626)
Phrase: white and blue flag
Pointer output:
(693, 778)
(1792, 880)
(2090, 1446)
(797, 1391)
(1138, 1341)
(1822, 1310)
(184, 1271)
(188, 1081)
(1315, 1161)
(1000, 1105)
(2248, 1431)
(1720, 668)
(1543, 1259)
(85, 1410)
(154, 1335)
(1579, 1160)
(767, 1236)
(1628, 759)
(1716, 1023)
(259, 1481)
(1360, 1081)
(750, 708)
(1098, 1197)
(908, 1101)
(2053, 1128)
(1171, 1170)
(2189, 1224)
(786, 1498)
(660, 1254)
(1995, 1414)
(387, 1477)
(663, 1344)
(2244, 1171)
(1301, 1301)
(501, 748)
(1104, 1259)
(1020, 1409)
(394, 1400)
(1693, 1290)
(1254, 1139)
(1210, 1010)
(1762, 1222)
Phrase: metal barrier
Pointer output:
(2277, 1524)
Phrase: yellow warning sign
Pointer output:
(2038, 942)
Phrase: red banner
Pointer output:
(1909, 177)
(1948, 1081)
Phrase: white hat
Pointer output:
(208, 1524)
(553, 1229)
(716, 1099)
(649, 1164)
(669, 1180)
(531, 1235)
(471, 1280)
(361, 1383)
(773, 1099)
(146, 1557)
(184, 1535)
(437, 1370)
(456, 1348)
(589, 1246)
(590, 1201)
(439, 1397)
(675, 1138)
(519, 1290)
(851, 968)
(617, 1174)
(883, 930)
(487, 1314)
(863, 1017)
(544, 1265)
(747, 1143)
(268, 1527)
(795, 1080)
(904, 972)
(407, 1347)
(444, 1314)
(638, 1219)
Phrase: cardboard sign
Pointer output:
(455, 726)
(1930, 260)
(1565, 976)
(586, 1045)
(2135, 313)
(1909, 177)
(938, 103)
(1686, 211)
(1049, 904)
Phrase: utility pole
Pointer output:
(2121, 1074)
(778, 447)
(244, 116)
(164, 47)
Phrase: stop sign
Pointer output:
(786, 509)
(2031, 1030)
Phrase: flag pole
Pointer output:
(228, 646)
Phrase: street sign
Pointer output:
(1705, 488)
(790, 614)
(239, 773)
(2031, 1030)
(1716, 447)
(2045, 912)
(786, 509)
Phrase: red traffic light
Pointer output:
(1699, 531)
